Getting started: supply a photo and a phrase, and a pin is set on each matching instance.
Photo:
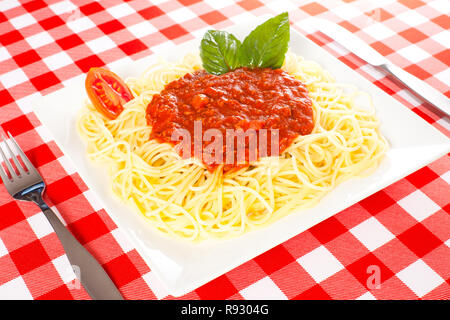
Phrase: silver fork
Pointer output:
(27, 185)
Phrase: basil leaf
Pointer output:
(218, 51)
(266, 45)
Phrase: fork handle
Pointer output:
(420, 88)
(92, 276)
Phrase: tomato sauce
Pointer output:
(241, 99)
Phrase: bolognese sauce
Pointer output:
(241, 99)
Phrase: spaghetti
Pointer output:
(180, 197)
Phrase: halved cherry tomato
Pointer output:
(107, 91)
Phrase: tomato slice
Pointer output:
(107, 91)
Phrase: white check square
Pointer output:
(378, 31)
(264, 289)
(155, 284)
(67, 165)
(122, 240)
(413, 53)
(281, 6)
(418, 205)
(64, 268)
(442, 37)
(220, 4)
(22, 21)
(121, 10)
(44, 134)
(6, 5)
(3, 249)
(78, 24)
(40, 225)
(411, 18)
(92, 198)
(39, 40)
(15, 289)
(58, 60)
(101, 44)
(444, 76)
(372, 233)
(181, 15)
(26, 103)
(320, 264)
(4, 54)
(420, 278)
(366, 296)
(440, 5)
(347, 12)
(446, 177)
(142, 29)
(12, 78)
(62, 7)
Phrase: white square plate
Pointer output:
(183, 267)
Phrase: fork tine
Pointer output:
(8, 164)
(13, 157)
(28, 165)
(3, 173)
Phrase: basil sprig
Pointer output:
(264, 47)
(219, 52)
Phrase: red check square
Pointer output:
(213, 17)
(250, 4)
(88, 228)
(188, 2)
(45, 81)
(132, 47)
(26, 58)
(10, 37)
(5, 98)
(111, 26)
(274, 259)
(422, 177)
(151, 12)
(314, 293)
(443, 21)
(62, 190)
(10, 214)
(91, 8)
(34, 5)
(60, 293)
(377, 202)
(328, 230)
(313, 8)
(419, 240)
(52, 22)
(69, 42)
(174, 32)
(217, 289)
(121, 270)
(420, 73)
(18, 125)
(40, 155)
(368, 266)
(413, 35)
(87, 63)
(412, 4)
(29, 257)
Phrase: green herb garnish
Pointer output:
(219, 52)
(264, 47)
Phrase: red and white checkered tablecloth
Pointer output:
(402, 231)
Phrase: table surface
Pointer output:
(399, 235)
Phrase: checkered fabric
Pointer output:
(400, 233)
